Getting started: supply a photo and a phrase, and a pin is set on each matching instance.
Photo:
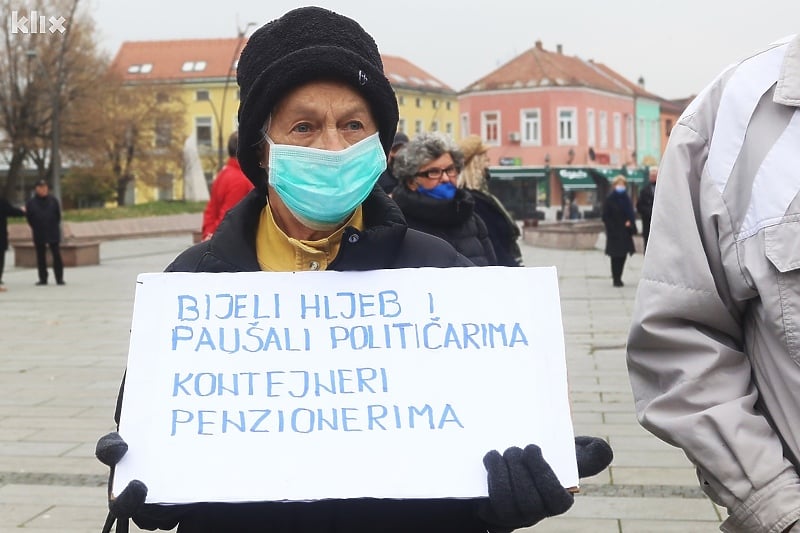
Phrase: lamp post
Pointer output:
(55, 128)
(241, 35)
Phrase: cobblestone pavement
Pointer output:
(64, 350)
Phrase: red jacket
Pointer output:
(230, 186)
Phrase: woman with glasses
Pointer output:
(428, 171)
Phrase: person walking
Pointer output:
(504, 233)
(317, 118)
(6, 210)
(227, 189)
(428, 169)
(644, 204)
(713, 351)
(620, 225)
(43, 212)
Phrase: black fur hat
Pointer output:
(307, 44)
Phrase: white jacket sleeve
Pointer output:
(688, 366)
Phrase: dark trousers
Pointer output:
(41, 260)
(2, 264)
(645, 231)
(617, 266)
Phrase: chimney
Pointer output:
(640, 81)
(538, 44)
(559, 49)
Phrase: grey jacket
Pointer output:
(714, 347)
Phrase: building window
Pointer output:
(603, 129)
(464, 125)
(490, 127)
(447, 105)
(163, 133)
(193, 66)
(567, 125)
(401, 125)
(667, 127)
(419, 102)
(435, 103)
(202, 129)
(435, 125)
(617, 130)
(202, 95)
(448, 128)
(656, 139)
(629, 130)
(531, 126)
(591, 127)
(418, 127)
(144, 68)
(400, 100)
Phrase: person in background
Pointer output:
(316, 120)
(428, 169)
(387, 181)
(713, 349)
(6, 210)
(230, 186)
(644, 205)
(620, 225)
(44, 217)
(503, 230)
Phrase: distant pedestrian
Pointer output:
(230, 186)
(44, 217)
(6, 210)
(620, 224)
(387, 181)
(644, 204)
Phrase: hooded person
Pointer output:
(316, 119)
(387, 181)
(474, 177)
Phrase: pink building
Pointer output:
(545, 108)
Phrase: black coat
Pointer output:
(617, 209)
(452, 220)
(503, 231)
(44, 218)
(387, 181)
(7, 210)
(386, 242)
(644, 205)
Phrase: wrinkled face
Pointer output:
(440, 170)
(328, 115)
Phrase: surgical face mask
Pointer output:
(619, 188)
(443, 191)
(321, 187)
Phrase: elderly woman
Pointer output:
(317, 117)
(620, 224)
(428, 169)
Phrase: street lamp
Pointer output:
(55, 133)
(241, 34)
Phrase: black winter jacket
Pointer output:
(44, 218)
(7, 210)
(386, 242)
(503, 231)
(617, 209)
(452, 220)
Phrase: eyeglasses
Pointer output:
(436, 173)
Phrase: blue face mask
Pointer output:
(619, 188)
(443, 191)
(321, 187)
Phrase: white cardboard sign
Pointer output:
(313, 385)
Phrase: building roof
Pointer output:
(538, 67)
(404, 74)
(189, 59)
(184, 59)
(636, 88)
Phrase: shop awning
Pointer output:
(634, 175)
(575, 178)
(517, 172)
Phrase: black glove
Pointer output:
(523, 489)
(129, 504)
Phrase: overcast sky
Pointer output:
(678, 46)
